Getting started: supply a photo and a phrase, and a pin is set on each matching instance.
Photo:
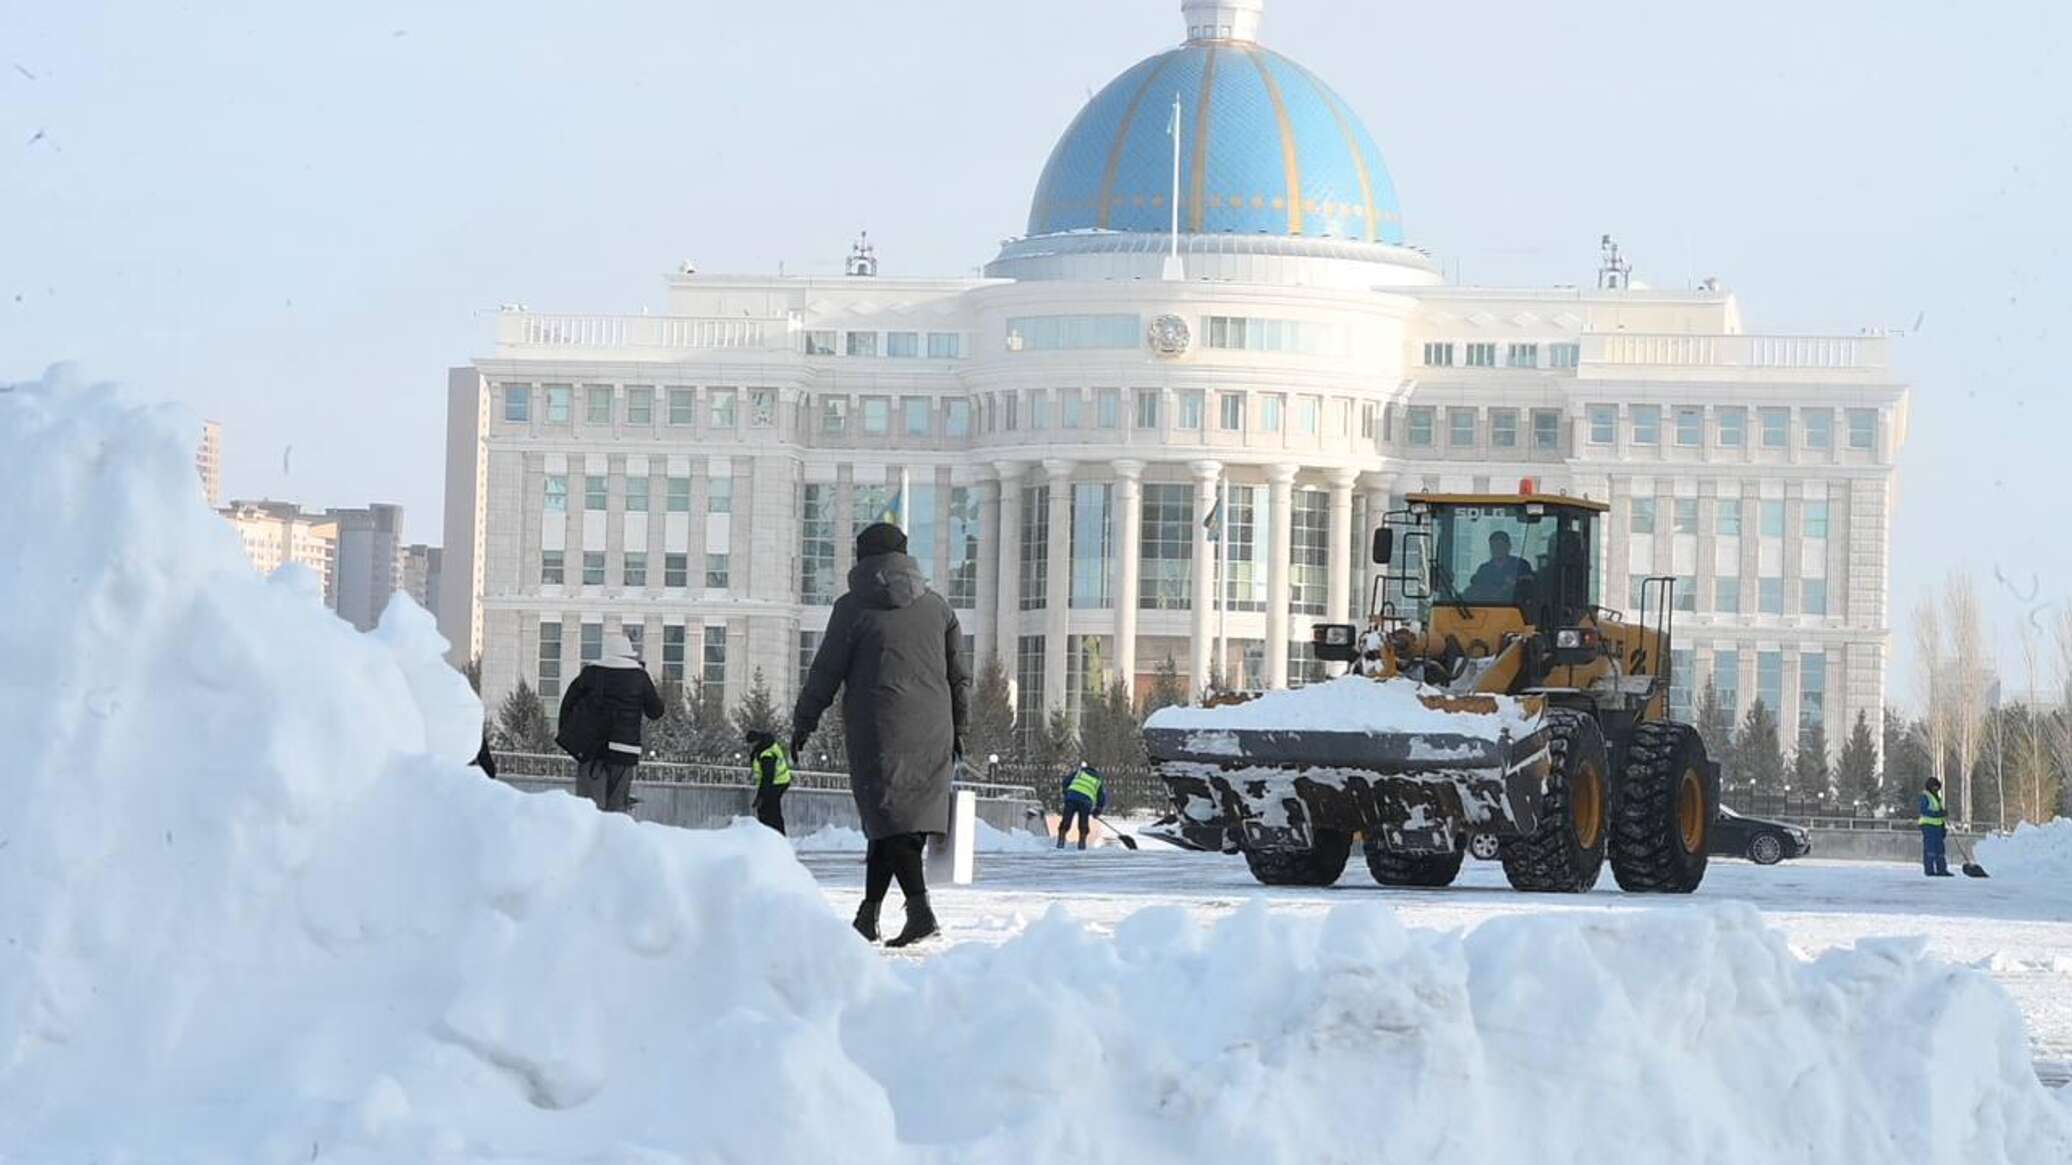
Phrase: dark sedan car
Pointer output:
(1763, 842)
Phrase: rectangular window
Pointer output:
(762, 408)
(517, 403)
(914, 410)
(634, 570)
(962, 588)
(1690, 428)
(1010, 411)
(1647, 424)
(1546, 429)
(1727, 517)
(1191, 409)
(1420, 426)
(714, 674)
(597, 404)
(1685, 519)
(558, 403)
(1772, 517)
(834, 414)
(945, 345)
(1814, 518)
(596, 491)
(1029, 707)
(1307, 410)
(1726, 595)
(1523, 356)
(1636, 590)
(1820, 428)
(1039, 408)
(903, 345)
(1776, 428)
(1769, 679)
(682, 407)
(1564, 355)
(1309, 553)
(721, 415)
(640, 405)
(1642, 519)
(1813, 596)
(550, 663)
(820, 343)
(1482, 355)
(877, 416)
(557, 493)
(1604, 424)
(637, 495)
(1812, 692)
(862, 343)
(673, 645)
(1066, 333)
(1769, 596)
(1035, 547)
(1233, 406)
(1091, 554)
(1270, 407)
(719, 495)
(1460, 428)
(679, 495)
(1733, 427)
(1503, 428)
(593, 568)
(1726, 681)
(676, 570)
(552, 573)
(716, 572)
(1684, 593)
(1248, 519)
(1147, 409)
(1680, 662)
(1071, 413)
(1166, 548)
(1270, 335)
(809, 646)
(817, 545)
(956, 417)
(1438, 355)
(1108, 408)
(1863, 428)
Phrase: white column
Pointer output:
(1128, 519)
(1339, 599)
(1279, 586)
(1377, 488)
(1057, 609)
(1008, 588)
(986, 620)
(1206, 475)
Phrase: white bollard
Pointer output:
(955, 857)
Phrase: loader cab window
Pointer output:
(1504, 555)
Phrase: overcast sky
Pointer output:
(295, 217)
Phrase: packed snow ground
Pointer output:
(2038, 855)
(255, 908)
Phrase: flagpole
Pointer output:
(1223, 584)
(1173, 270)
(905, 511)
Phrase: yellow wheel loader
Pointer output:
(1516, 720)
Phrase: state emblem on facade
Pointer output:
(1169, 336)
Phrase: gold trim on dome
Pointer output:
(1201, 139)
(1291, 158)
(1122, 133)
(1352, 144)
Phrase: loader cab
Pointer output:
(1535, 554)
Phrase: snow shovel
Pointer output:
(1971, 868)
(1130, 843)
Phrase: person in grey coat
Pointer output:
(895, 652)
(600, 724)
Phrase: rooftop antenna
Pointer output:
(1174, 270)
(863, 258)
(1614, 273)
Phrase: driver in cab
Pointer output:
(1496, 581)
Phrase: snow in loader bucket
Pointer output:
(1407, 765)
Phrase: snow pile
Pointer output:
(2032, 853)
(840, 839)
(255, 909)
(1356, 704)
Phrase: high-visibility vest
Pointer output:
(1085, 783)
(1935, 815)
(783, 776)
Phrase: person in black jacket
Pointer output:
(894, 651)
(600, 723)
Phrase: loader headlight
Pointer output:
(1570, 638)
(1339, 636)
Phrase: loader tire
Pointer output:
(1663, 814)
(1566, 853)
(1392, 868)
(1317, 866)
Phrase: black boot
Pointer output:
(867, 920)
(920, 923)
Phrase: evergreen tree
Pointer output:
(1056, 746)
(1716, 728)
(473, 671)
(672, 738)
(1810, 774)
(1110, 735)
(829, 747)
(1906, 763)
(758, 711)
(712, 732)
(990, 729)
(1856, 773)
(1760, 756)
(521, 721)
(1167, 688)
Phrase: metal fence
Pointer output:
(735, 774)
(1130, 789)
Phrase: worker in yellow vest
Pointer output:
(769, 766)
(1085, 794)
(1935, 828)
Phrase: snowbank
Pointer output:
(1353, 704)
(256, 910)
(840, 839)
(2032, 853)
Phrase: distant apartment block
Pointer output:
(421, 575)
(278, 533)
(208, 461)
(369, 562)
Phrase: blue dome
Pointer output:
(1265, 148)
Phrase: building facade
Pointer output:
(421, 570)
(369, 564)
(276, 534)
(1056, 434)
(208, 462)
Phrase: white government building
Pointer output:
(1065, 423)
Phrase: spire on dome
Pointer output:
(1222, 19)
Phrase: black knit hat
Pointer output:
(880, 538)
